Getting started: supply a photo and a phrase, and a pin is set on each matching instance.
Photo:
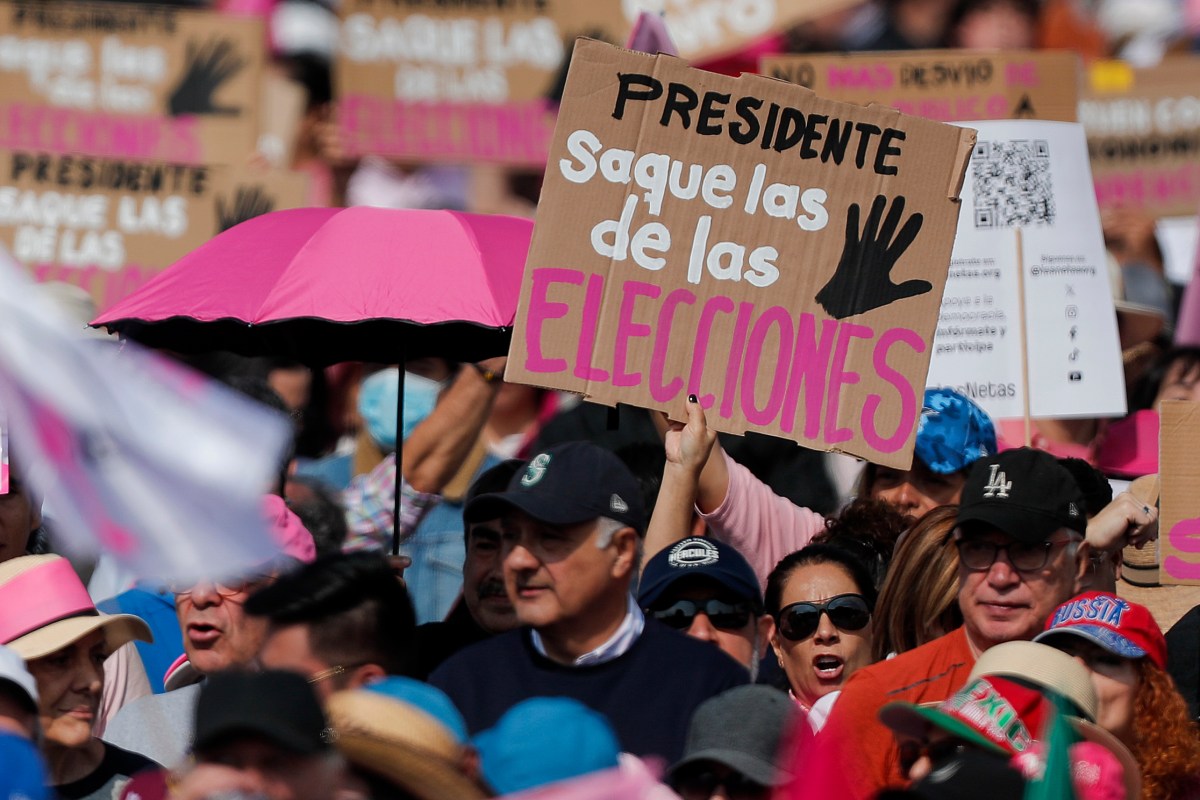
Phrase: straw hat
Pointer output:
(44, 607)
(1140, 584)
(402, 743)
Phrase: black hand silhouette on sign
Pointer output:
(863, 279)
(209, 65)
(248, 202)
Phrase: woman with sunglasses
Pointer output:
(47, 616)
(821, 599)
(1126, 656)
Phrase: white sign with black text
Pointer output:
(1033, 177)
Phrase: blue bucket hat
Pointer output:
(953, 432)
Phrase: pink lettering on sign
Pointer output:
(801, 355)
(541, 310)
(1176, 185)
(951, 109)
(733, 365)
(1022, 74)
(1185, 538)
(908, 401)
(866, 76)
(628, 329)
(778, 318)
(665, 392)
(514, 133)
(64, 130)
(714, 305)
(587, 338)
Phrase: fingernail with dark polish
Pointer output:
(692, 398)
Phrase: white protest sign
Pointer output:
(1031, 176)
(1178, 238)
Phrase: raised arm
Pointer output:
(437, 447)
(688, 447)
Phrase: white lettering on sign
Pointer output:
(447, 42)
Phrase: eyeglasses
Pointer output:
(980, 554)
(937, 752)
(225, 590)
(848, 612)
(332, 672)
(727, 616)
(701, 785)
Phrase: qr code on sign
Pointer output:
(1012, 184)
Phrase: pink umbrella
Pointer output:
(323, 285)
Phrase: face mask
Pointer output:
(377, 403)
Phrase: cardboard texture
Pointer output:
(1179, 512)
(780, 255)
(446, 81)
(1030, 176)
(129, 81)
(945, 85)
(109, 226)
(702, 29)
(1143, 128)
(284, 104)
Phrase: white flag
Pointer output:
(138, 457)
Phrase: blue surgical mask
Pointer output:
(377, 403)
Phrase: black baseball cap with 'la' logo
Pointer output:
(1023, 492)
(565, 485)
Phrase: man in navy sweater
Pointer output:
(571, 526)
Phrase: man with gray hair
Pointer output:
(571, 526)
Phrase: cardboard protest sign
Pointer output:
(129, 81)
(702, 29)
(780, 255)
(448, 81)
(1143, 129)
(1179, 512)
(1030, 176)
(946, 85)
(109, 226)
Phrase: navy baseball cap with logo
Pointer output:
(697, 558)
(565, 485)
(1025, 493)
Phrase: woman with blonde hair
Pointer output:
(918, 601)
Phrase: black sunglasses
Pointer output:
(798, 621)
(727, 616)
(701, 784)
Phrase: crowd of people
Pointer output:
(613, 603)
(669, 626)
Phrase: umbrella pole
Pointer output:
(399, 452)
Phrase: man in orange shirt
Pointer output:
(1020, 538)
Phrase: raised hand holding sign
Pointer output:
(863, 280)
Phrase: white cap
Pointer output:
(13, 670)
